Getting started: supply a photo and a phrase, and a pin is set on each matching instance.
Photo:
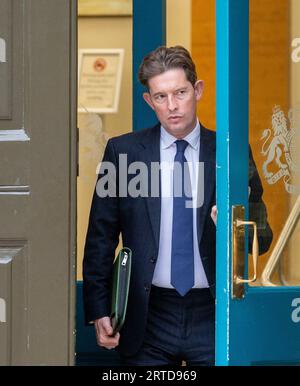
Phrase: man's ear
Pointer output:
(199, 86)
(147, 98)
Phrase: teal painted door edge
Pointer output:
(232, 51)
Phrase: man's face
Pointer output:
(174, 100)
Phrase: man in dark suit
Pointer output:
(171, 308)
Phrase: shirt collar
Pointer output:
(192, 138)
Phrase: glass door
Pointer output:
(258, 269)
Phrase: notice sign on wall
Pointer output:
(99, 80)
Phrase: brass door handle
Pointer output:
(239, 223)
(238, 251)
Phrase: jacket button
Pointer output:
(147, 288)
(153, 260)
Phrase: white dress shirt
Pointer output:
(168, 148)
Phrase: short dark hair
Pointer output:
(163, 59)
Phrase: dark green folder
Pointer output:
(120, 289)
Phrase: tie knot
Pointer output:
(181, 145)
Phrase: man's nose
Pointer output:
(172, 103)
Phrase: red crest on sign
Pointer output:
(100, 64)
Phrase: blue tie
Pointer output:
(182, 255)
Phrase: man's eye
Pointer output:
(159, 98)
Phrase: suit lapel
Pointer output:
(150, 152)
(206, 155)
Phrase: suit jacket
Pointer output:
(138, 220)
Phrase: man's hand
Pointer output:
(104, 333)
(213, 214)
